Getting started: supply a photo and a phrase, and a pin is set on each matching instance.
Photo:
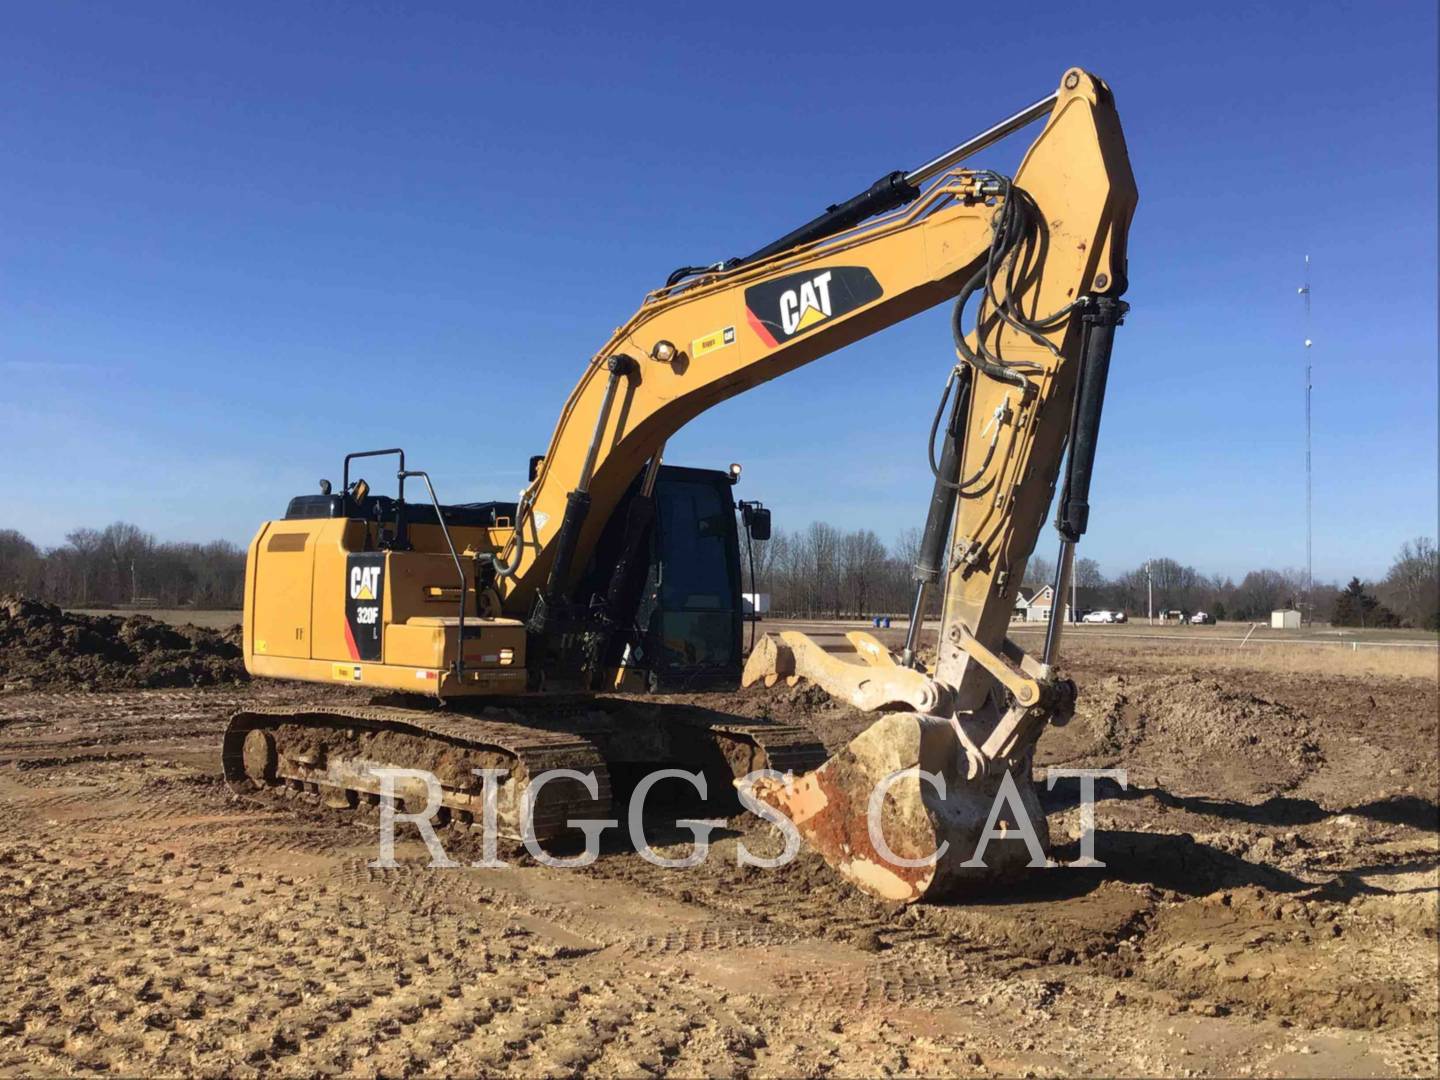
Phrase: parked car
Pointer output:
(1201, 618)
(1101, 617)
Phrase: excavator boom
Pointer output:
(703, 339)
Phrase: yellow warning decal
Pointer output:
(716, 339)
(261, 645)
(345, 672)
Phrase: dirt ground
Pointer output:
(1269, 908)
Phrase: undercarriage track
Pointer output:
(333, 753)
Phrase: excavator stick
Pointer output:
(935, 798)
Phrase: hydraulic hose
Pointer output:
(942, 497)
(996, 370)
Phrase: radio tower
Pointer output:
(1304, 291)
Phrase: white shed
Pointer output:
(1285, 619)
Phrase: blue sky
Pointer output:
(240, 240)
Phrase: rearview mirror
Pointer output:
(757, 522)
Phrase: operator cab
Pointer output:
(688, 615)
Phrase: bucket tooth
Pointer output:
(767, 663)
(875, 684)
(921, 837)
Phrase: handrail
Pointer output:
(459, 568)
(374, 453)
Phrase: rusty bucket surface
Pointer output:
(870, 814)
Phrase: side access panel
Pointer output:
(284, 566)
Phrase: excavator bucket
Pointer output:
(900, 812)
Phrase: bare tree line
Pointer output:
(824, 571)
(122, 563)
(1173, 586)
(820, 570)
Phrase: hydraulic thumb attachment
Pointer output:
(879, 682)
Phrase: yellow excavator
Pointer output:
(545, 633)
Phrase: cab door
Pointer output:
(695, 623)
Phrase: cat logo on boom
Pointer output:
(789, 306)
(804, 307)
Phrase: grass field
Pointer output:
(1258, 632)
(1225, 647)
(1190, 655)
(211, 620)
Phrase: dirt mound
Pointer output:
(42, 645)
(1307, 960)
(1189, 733)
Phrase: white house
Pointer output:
(1039, 605)
(1285, 619)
